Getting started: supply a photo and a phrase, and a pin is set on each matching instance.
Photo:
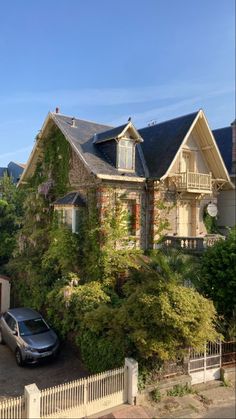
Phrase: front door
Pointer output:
(185, 219)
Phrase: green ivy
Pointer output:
(210, 223)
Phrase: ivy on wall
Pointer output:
(210, 222)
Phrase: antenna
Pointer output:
(151, 122)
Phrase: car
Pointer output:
(28, 335)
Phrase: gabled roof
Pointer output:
(81, 137)
(72, 198)
(162, 141)
(116, 134)
(223, 137)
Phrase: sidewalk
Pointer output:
(207, 396)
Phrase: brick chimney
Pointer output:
(233, 125)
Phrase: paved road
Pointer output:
(224, 412)
(67, 367)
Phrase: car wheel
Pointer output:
(18, 356)
(1, 338)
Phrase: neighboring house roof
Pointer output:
(162, 141)
(223, 137)
(72, 198)
(3, 170)
(81, 137)
(13, 170)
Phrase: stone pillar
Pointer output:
(132, 377)
(32, 402)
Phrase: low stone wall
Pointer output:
(228, 374)
(163, 385)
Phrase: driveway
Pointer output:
(67, 367)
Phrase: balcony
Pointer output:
(191, 244)
(193, 182)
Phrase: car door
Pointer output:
(8, 329)
(12, 324)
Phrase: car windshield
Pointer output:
(32, 327)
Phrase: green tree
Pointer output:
(218, 275)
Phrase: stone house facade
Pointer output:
(169, 171)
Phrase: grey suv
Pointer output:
(28, 335)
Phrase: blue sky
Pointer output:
(106, 60)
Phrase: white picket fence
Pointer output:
(77, 399)
(12, 408)
(85, 397)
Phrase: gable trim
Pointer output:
(214, 146)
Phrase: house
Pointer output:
(226, 141)
(176, 162)
(13, 170)
(4, 293)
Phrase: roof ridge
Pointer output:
(82, 120)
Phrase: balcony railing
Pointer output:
(191, 243)
(193, 182)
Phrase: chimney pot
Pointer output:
(73, 122)
(57, 110)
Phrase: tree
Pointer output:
(11, 210)
(218, 275)
(158, 318)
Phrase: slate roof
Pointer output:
(72, 198)
(223, 137)
(13, 169)
(162, 141)
(81, 138)
(2, 171)
(109, 134)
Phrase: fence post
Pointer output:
(205, 361)
(132, 377)
(32, 401)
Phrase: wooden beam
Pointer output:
(207, 147)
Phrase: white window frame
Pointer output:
(127, 147)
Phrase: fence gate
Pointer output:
(205, 366)
(86, 396)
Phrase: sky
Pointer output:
(107, 60)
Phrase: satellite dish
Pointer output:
(212, 209)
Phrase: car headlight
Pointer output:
(30, 349)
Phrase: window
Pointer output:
(126, 155)
(69, 216)
(128, 208)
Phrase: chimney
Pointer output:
(57, 110)
(73, 122)
(233, 125)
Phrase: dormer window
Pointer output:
(126, 155)
(118, 146)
